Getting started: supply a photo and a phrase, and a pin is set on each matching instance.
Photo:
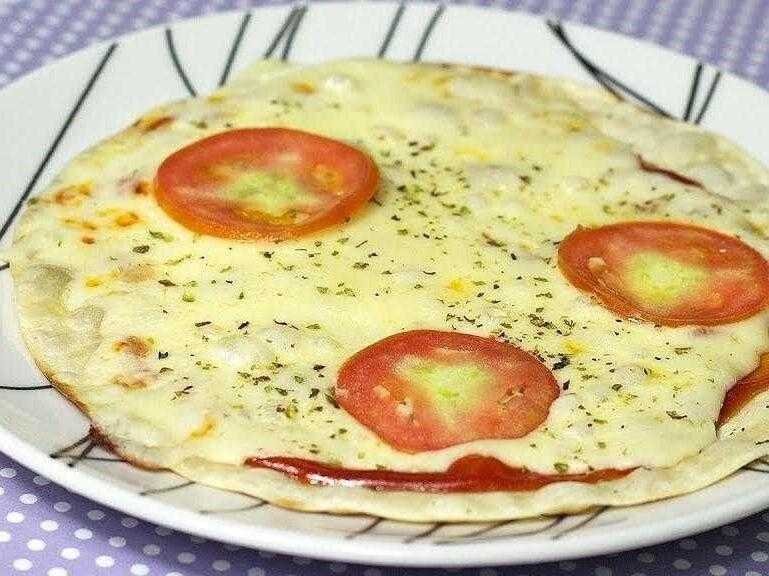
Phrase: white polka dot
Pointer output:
(5, 536)
(62, 506)
(50, 525)
(105, 561)
(69, 553)
(221, 565)
(717, 570)
(759, 556)
(256, 572)
(186, 557)
(163, 531)
(724, 550)
(96, 515)
(14, 517)
(83, 534)
(57, 571)
(151, 550)
(763, 536)
(337, 568)
(688, 544)
(681, 564)
(646, 557)
(27, 498)
(41, 480)
(22, 564)
(140, 570)
(116, 541)
(36, 545)
(603, 571)
(8, 472)
(129, 522)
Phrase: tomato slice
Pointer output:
(264, 183)
(745, 390)
(426, 389)
(468, 474)
(667, 273)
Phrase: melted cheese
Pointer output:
(483, 175)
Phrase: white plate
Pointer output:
(56, 112)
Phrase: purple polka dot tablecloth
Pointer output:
(47, 530)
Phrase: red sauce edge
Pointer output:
(468, 474)
(647, 166)
(745, 390)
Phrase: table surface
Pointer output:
(47, 530)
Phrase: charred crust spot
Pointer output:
(142, 188)
(149, 124)
(72, 195)
(133, 345)
(132, 382)
(303, 88)
(126, 219)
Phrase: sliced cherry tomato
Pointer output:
(468, 474)
(426, 389)
(264, 183)
(667, 273)
(745, 390)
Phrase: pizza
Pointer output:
(421, 291)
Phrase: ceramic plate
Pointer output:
(53, 114)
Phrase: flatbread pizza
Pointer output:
(425, 292)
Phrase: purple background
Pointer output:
(46, 530)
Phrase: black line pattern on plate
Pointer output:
(166, 489)
(695, 86)
(71, 452)
(244, 22)
(76, 444)
(485, 531)
(278, 38)
(581, 524)
(428, 32)
(366, 529)
(258, 504)
(177, 64)
(708, 98)
(59, 136)
(297, 21)
(609, 82)
(694, 90)
(761, 465)
(429, 532)
(27, 388)
(394, 23)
